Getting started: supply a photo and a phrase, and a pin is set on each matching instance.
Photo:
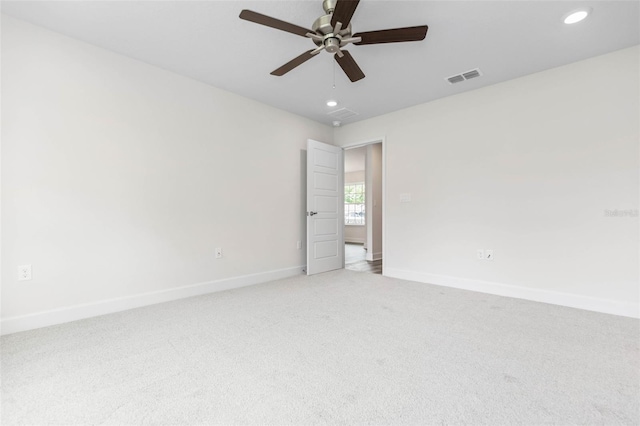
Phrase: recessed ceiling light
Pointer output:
(336, 123)
(332, 103)
(576, 16)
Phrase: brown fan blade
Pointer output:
(293, 63)
(343, 12)
(349, 66)
(268, 21)
(395, 35)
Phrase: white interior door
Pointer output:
(325, 207)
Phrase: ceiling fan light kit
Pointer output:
(332, 32)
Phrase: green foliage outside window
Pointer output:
(354, 204)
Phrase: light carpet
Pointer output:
(338, 348)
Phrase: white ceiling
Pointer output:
(206, 40)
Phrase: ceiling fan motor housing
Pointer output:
(322, 26)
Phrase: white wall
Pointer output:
(355, 233)
(120, 179)
(526, 168)
(354, 177)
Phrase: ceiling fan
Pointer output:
(332, 32)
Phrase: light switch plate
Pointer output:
(405, 198)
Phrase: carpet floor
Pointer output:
(336, 348)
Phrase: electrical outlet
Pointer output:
(488, 254)
(480, 254)
(299, 245)
(24, 272)
(218, 253)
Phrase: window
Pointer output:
(354, 204)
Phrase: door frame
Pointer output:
(373, 141)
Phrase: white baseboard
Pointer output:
(88, 310)
(614, 307)
(355, 240)
(373, 256)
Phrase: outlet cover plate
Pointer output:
(24, 272)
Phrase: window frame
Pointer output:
(363, 204)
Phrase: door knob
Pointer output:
(312, 213)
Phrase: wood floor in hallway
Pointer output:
(355, 259)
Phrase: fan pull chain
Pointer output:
(334, 75)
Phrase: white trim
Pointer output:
(614, 307)
(355, 240)
(88, 310)
(373, 256)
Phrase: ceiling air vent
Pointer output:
(459, 78)
(455, 79)
(471, 74)
(342, 114)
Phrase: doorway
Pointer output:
(363, 198)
